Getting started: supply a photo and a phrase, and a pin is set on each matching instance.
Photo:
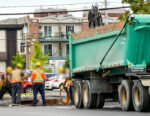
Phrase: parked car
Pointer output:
(49, 80)
(27, 86)
(59, 81)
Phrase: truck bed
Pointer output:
(88, 48)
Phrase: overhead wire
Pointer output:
(62, 11)
(55, 4)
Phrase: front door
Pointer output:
(11, 45)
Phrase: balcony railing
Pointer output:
(57, 54)
(57, 35)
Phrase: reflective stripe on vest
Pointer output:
(38, 78)
(16, 76)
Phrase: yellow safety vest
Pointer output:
(16, 76)
(38, 78)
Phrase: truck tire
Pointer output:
(125, 95)
(140, 96)
(78, 99)
(89, 99)
(100, 101)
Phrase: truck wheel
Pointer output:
(100, 101)
(89, 99)
(78, 99)
(125, 95)
(140, 96)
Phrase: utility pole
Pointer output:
(106, 13)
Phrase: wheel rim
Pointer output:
(76, 95)
(124, 96)
(85, 95)
(137, 96)
(29, 90)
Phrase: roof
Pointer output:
(20, 20)
(60, 19)
(11, 26)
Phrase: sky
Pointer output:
(111, 3)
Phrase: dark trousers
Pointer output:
(4, 90)
(38, 87)
(71, 93)
(16, 93)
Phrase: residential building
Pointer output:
(54, 37)
(13, 38)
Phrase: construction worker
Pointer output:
(69, 82)
(38, 79)
(6, 85)
(16, 79)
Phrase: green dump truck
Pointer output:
(112, 62)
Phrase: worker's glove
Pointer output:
(62, 87)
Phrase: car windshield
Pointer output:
(51, 76)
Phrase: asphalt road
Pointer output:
(64, 111)
(110, 109)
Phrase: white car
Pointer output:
(59, 81)
(49, 81)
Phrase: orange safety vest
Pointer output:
(38, 78)
(69, 82)
(16, 76)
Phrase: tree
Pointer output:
(123, 17)
(137, 7)
(39, 56)
(66, 64)
(18, 59)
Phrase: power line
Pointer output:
(49, 5)
(55, 5)
(63, 11)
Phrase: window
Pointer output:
(67, 49)
(69, 29)
(22, 48)
(48, 49)
(47, 31)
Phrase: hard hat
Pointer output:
(61, 70)
(9, 69)
(38, 64)
(19, 65)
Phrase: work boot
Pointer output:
(45, 104)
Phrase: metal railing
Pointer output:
(57, 53)
(56, 35)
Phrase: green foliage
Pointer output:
(137, 6)
(39, 56)
(123, 17)
(66, 65)
(18, 59)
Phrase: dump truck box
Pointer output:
(112, 61)
(100, 48)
